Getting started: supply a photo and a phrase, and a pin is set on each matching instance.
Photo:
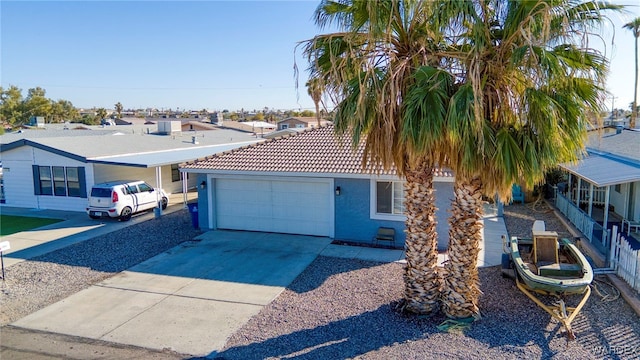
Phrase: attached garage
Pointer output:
(293, 205)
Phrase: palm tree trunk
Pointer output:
(461, 288)
(634, 110)
(422, 284)
(317, 103)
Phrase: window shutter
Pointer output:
(36, 180)
(83, 182)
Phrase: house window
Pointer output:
(387, 200)
(175, 173)
(73, 182)
(300, 126)
(59, 181)
(616, 188)
(284, 126)
(45, 181)
(389, 197)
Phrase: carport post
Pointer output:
(183, 177)
(158, 209)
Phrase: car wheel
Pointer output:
(165, 202)
(94, 217)
(125, 215)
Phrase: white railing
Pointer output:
(625, 261)
(576, 216)
(599, 195)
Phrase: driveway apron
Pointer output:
(189, 299)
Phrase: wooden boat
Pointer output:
(546, 265)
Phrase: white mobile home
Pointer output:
(54, 170)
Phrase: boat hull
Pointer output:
(556, 279)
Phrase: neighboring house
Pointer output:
(308, 183)
(37, 121)
(603, 188)
(118, 121)
(254, 127)
(197, 126)
(217, 118)
(281, 133)
(53, 169)
(301, 123)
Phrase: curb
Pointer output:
(627, 293)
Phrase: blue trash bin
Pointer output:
(193, 210)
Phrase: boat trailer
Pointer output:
(559, 311)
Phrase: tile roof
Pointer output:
(316, 150)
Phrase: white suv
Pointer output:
(121, 199)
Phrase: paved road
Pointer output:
(29, 344)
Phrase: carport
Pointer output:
(158, 159)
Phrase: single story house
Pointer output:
(254, 127)
(307, 183)
(301, 123)
(194, 125)
(55, 168)
(603, 188)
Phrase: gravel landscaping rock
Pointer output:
(341, 308)
(41, 281)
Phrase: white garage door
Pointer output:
(292, 207)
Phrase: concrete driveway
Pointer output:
(189, 299)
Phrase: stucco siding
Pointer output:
(206, 201)
(352, 220)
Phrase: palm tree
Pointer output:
(119, 109)
(497, 90)
(634, 26)
(524, 87)
(101, 113)
(368, 67)
(314, 89)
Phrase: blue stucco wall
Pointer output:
(352, 219)
(353, 222)
(203, 202)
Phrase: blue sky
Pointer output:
(189, 55)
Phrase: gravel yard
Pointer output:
(340, 308)
(345, 309)
(32, 285)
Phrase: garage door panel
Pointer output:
(295, 207)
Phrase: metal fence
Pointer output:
(594, 232)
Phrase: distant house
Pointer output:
(118, 121)
(217, 118)
(603, 188)
(307, 183)
(37, 121)
(53, 169)
(255, 127)
(197, 126)
(301, 123)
